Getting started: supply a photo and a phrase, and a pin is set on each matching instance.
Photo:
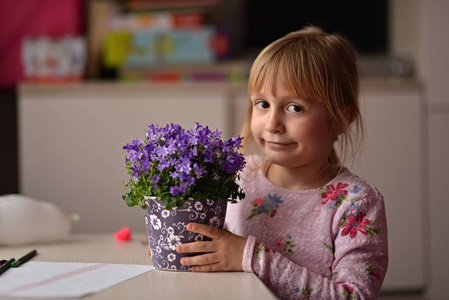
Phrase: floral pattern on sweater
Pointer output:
(304, 293)
(260, 248)
(286, 244)
(334, 196)
(373, 275)
(354, 221)
(267, 205)
(358, 223)
(348, 292)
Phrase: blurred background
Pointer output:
(81, 78)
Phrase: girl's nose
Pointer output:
(274, 123)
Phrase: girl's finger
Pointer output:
(206, 230)
(200, 260)
(196, 247)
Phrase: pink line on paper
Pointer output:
(53, 279)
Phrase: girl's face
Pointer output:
(291, 132)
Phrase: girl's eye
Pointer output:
(262, 105)
(295, 108)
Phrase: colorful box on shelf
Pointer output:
(159, 47)
(47, 59)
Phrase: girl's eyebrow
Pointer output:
(256, 94)
(286, 97)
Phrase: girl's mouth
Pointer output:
(278, 146)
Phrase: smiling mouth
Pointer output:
(276, 145)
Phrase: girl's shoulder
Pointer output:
(345, 183)
(353, 185)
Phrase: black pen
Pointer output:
(24, 259)
(6, 266)
(2, 262)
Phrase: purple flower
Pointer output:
(199, 170)
(183, 163)
(174, 190)
(183, 187)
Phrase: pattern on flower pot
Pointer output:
(167, 228)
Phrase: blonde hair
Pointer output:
(313, 64)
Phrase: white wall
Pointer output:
(420, 30)
(434, 49)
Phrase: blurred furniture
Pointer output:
(102, 248)
(71, 140)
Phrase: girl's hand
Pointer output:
(223, 253)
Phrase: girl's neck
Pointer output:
(301, 178)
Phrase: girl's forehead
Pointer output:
(276, 77)
(275, 87)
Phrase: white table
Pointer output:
(103, 248)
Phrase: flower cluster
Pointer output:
(174, 164)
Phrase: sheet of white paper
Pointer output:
(64, 280)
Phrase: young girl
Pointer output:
(308, 227)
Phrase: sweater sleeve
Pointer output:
(360, 258)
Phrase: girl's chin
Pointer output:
(287, 161)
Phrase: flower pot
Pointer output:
(167, 228)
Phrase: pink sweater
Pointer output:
(326, 243)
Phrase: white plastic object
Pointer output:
(24, 220)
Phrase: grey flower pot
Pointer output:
(167, 228)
